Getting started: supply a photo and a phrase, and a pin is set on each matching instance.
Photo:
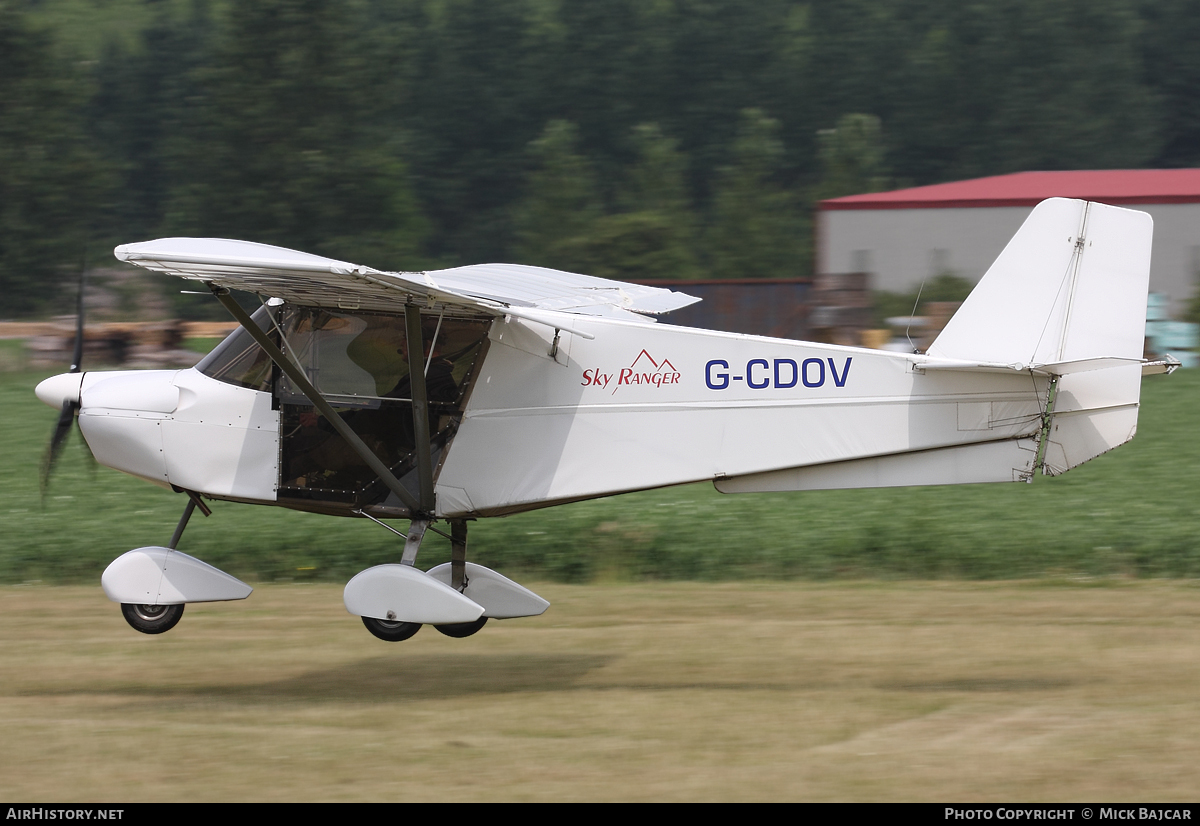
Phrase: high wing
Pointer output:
(311, 280)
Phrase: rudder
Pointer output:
(1068, 291)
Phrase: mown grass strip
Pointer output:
(959, 691)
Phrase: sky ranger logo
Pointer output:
(644, 370)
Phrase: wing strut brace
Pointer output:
(420, 404)
(313, 395)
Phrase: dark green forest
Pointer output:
(632, 139)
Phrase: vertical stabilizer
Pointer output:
(1069, 288)
(1070, 285)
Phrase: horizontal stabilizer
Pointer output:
(1061, 368)
(1166, 364)
(1010, 460)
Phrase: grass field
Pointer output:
(946, 691)
(1132, 512)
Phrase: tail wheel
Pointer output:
(151, 619)
(391, 630)
(462, 629)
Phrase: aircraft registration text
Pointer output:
(781, 374)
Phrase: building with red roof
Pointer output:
(907, 235)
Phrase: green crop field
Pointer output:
(1132, 512)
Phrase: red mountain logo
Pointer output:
(644, 369)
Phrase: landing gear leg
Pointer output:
(412, 542)
(158, 619)
(458, 554)
(458, 579)
(384, 595)
(392, 629)
(188, 509)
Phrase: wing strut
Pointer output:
(313, 395)
(420, 404)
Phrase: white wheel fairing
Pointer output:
(500, 597)
(401, 593)
(161, 576)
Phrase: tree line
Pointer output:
(631, 139)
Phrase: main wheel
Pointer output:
(151, 619)
(389, 630)
(462, 629)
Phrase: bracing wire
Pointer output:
(913, 314)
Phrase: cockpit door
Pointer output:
(361, 365)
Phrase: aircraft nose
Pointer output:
(57, 390)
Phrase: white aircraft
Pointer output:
(538, 387)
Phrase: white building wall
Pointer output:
(902, 247)
(1175, 261)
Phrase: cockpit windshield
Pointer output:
(239, 360)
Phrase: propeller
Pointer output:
(70, 407)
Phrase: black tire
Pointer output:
(389, 630)
(151, 619)
(459, 630)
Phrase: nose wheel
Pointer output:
(151, 619)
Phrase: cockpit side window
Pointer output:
(239, 360)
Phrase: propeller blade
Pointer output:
(61, 430)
